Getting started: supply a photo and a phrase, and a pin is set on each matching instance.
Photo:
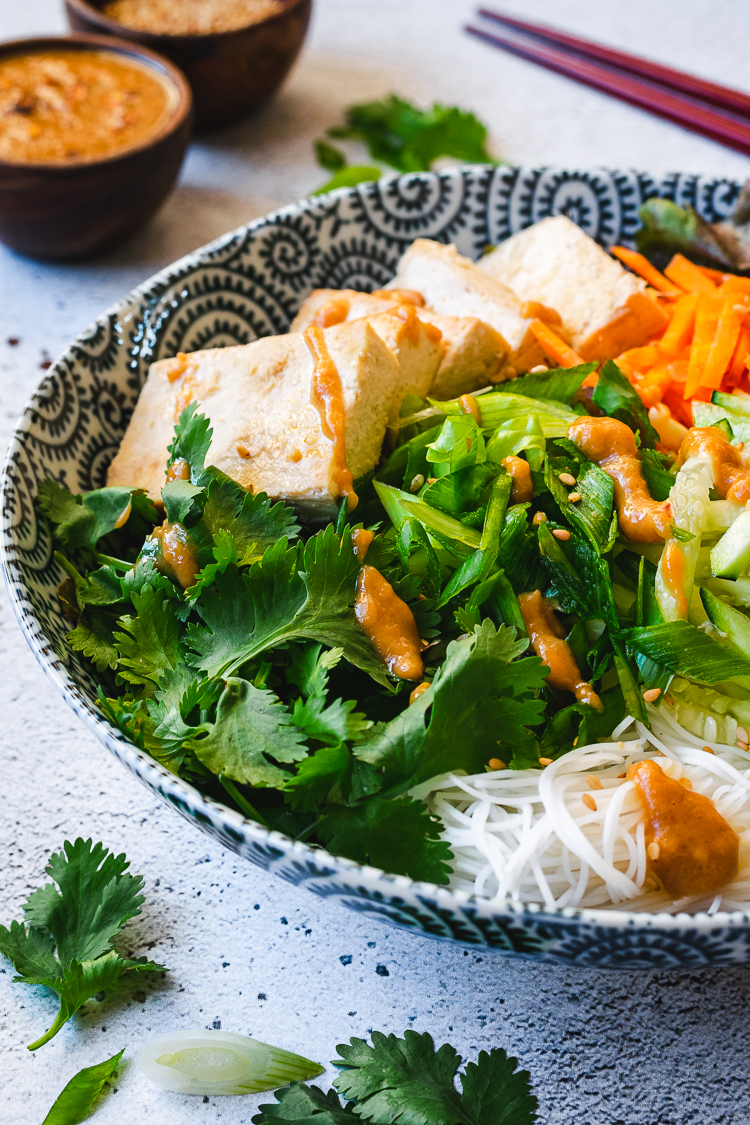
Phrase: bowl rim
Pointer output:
(151, 773)
(113, 27)
(82, 41)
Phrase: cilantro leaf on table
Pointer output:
(399, 836)
(409, 139)
(306, 1105)
(82, 520)
(409, 1082)
(67, 945)
(191, 442)
(253, 730)
(292, 593)
(77, 1098)
(477, 691)
(149, 643)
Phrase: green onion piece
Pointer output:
(220, 1062)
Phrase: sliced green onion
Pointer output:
(220, 1062)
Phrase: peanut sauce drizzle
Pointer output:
(611, 444)
(673, 570)
(328, 398)
(696, 851)
(178, 470)
(731, 474)
(177, 557)
(401, 296)
(389, 625)
(522, 489)
(361, 540)
(547, 639)
(332, 312)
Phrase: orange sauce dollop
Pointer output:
(611, 444)
(389, 625)
(328, 398)
(546, 635)
(696, 850)
(71, 107)
(177, 557)
(522, 489)
(731, 474)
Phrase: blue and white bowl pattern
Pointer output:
(250, 283)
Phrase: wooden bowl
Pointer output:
(73, 210)
(232, 73)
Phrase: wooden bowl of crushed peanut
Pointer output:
(235, 53)
(93, 132)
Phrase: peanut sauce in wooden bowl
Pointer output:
(73, 107)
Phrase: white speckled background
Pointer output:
(259, 956)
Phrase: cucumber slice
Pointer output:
(729, 620)
(736, 403)
(708, 414)
(731, 554)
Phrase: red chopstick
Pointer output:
(678, 80)
(731, 129)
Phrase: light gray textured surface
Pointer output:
(259, 956)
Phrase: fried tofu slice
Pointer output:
(267, 433)
(453, 285)
(472, 352)
(604, 309)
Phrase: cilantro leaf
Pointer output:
(399, 836)
(254, 522)
(191, 442)
(77, 1098)
(181, 690)
(93, 638)
(81, 520)
(148, 645)
(616, 396)
(77, 919)
(316, 775)
(306, 1105)
(252, 730)
(482, 690)
(338, 722)
(180, 498)
(292, 593)
(410, 139)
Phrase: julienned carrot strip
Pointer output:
(688, 276)
(717, 276)
(683, 411)
(740, 359)
(637, 360)
(680, 329)
(555, 348)
(733, 284)
(641, 265)
(707, 313)
(723, 346)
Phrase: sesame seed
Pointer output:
(708, 750)
(540, 517)
(686, 782)
(545, 761)
(574, 497)
(540, 368)
(742, 734)
(496, 764)
(561, 533)
(744, 746)
(621, 745)
(669, 699)
(653, 850)
(593, 782)
(589, 801)
(652, 694)
(566, 478)
(416, 483)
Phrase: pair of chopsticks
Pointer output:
(704, 107)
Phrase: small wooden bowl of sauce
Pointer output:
(235, 53)
(93, 133)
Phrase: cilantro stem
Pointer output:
(109, 560)
(341, 517)
(243, 802)
(68, 567)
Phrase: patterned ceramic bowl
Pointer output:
(248, 284)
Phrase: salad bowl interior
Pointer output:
(250, 284)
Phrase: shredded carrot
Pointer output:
(732, 284)
(641, 265)
(724, 343)
(717, 276)
(681, 410)
(680, 330)
(531, 309)
(688, 276)
(740, 359)
(707, 314)
(555, 348)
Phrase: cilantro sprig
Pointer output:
(407, 1081)
(65, 940)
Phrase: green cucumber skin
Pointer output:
(731, 621)
(735, 403)
(709, 413)
(731, 554)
